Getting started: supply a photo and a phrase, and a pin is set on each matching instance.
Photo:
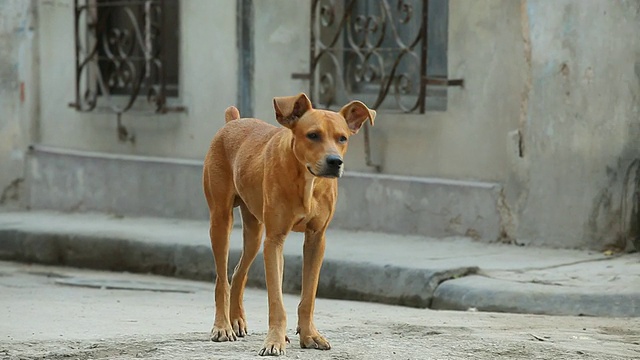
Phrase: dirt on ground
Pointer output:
(383, 341)
(45, 319)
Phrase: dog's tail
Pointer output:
(231, 113)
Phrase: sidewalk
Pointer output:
(453, 273)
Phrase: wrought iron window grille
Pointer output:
(126, 50)
(376, 51)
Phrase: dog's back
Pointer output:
(228, 142)
(233, 161)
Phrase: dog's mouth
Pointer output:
(324, 174)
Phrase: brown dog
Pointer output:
(283, 179)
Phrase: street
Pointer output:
(44, 316)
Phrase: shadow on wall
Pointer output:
(615, 215)
(10, 195)
(629, 234)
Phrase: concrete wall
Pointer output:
(468, 141)
(582, 120)
(549, 110)
(281, 37)
(281, 41)
(131, 185)
(208, 85)
(18, 95)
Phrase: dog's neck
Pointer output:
(305, 181)
(308, 190)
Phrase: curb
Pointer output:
(179, 249)
(488, 294)
(338, 280)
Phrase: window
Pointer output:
(126, 50)
(392, 54)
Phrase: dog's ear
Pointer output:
(356, 113)
(291, 108)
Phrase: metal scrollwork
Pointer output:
(369, 48)
(119, 55)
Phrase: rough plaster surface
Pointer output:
(18, 88)
(582, 119)
(144, 186)
(77, 181)
(549, 110)
(208, 67)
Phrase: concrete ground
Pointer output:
(453, 273)
(45, 317)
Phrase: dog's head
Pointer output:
(320, 137)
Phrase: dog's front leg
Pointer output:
(275, 342)
(314, 244)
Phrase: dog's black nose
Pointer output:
(334, 161)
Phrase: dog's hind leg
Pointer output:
(220, 202)
(252, 230)
(221, 222)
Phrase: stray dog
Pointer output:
(283, 179)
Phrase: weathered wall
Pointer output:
(468, 141)
(582, 120)
(550, 105)
(208, 83)
(549, 108)
(18, 95)
(130, 185)
(281, 38)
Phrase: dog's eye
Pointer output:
(342, 139)
(313, 136)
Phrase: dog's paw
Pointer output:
(225, 333)
(274, 345)
(239, 326)
(311, 339)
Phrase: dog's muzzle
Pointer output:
(331, 167)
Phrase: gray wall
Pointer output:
(549, 109)
(440, 141)
(468, 141)
(208, 85)
(581, 122)
(18, 95)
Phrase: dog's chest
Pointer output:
(304, 214)
(313, 212)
